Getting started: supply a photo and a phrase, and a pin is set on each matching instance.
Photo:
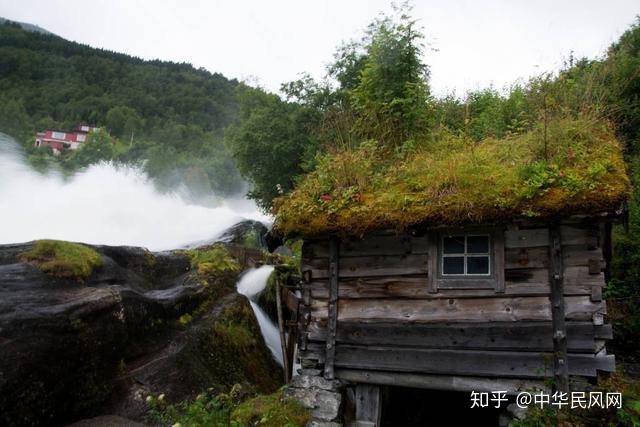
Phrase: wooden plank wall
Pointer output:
(388, 319)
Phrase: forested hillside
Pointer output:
(170, 115)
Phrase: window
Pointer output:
(59, 135)
(470, 258)
(465, 255)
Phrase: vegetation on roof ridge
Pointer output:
(569, 166)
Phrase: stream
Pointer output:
(252, 282)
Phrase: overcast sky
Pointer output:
(478, 43)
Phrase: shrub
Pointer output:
(215, 259)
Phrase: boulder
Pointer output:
(141, 323)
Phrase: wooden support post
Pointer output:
(498, 250)
(560, 362)
(368, 405)
(333, 308)
(607, 249)
(281, 326)
(432, 282)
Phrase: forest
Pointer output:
(169, 116)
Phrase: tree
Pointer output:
(392, 93)
(123, 121)
(268, 143)
(99, 146)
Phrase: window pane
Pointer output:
(478, 265)
(453, 245)
(453, 265)
(478, 244)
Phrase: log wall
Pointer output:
(388, 318)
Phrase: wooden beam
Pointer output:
(416, 287)
(499, 364)
(560, 360)
(333, 307)
(432, 280)
(607, 249)
(498, 251)
(504, 364)
(369, 266)
(497, 309)
(281, 327)
(510, 336)
(368, 405)
(439, 382)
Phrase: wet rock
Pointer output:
(141, 323)
(248, 233)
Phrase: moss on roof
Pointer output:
(451, 180)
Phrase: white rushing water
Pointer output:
(251, 283)
(103, 204)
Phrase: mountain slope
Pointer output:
(25, 26)
(167, 114)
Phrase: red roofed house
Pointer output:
(59, 140)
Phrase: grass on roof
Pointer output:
(452, 180)
(63, 259)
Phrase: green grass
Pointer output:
(450, 179)
(229, 410)
(270, 410)
(215, 259)
(63, 259)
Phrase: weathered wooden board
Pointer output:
(417, 265)
(398, 244)
(573, 275)
(466, 362)
(416, 287)
(370, 266)
(500, 309)
(570, 235)
(579, 235)
(368, 405)
(522, 336)
(440, 382)
(538, 257)
(332, 309)
(526, 238)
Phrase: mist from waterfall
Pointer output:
(104, 204)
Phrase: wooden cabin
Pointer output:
(506, 303)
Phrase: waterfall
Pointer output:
(104, 204)
(252, 282)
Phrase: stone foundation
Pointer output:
(322, 397)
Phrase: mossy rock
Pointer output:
(213, 260)
(237, 353)
(270, 410)
(63, 259)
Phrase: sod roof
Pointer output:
(447, 179)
